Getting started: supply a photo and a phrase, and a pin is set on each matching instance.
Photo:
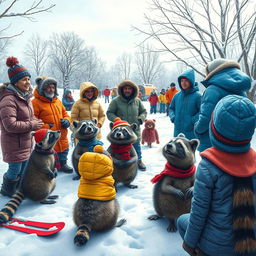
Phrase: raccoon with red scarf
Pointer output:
(173, 187)
(124, 156)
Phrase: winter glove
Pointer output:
(99, 125)
(177, 192)
(140, 120)
(189, 250)
(64, 123)
(51, 125)
(188, 193)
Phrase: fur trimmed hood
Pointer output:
(130, 83)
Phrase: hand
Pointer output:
(189, 250)
(99, 125)
(64, 123)
(178, 193)
(51, 125)
(39, 124)
(139, 120)
(188, 193)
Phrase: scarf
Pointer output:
(174, 172)
(122, 150)
(90, 144)
(49, 152)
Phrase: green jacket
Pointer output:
(132, 110)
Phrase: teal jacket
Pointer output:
(131, 110)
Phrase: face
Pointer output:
(185, 84)
(89, 93)
(23, 84)
(50, 91)
(127, 90)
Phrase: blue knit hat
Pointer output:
(232, 124)
(15, 71)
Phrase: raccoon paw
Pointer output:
(80, 240)
(77, 177)
(120, 223)
(172, 227)
(154, 217)
(131, 186)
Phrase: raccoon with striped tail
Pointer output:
(97, 208)
(38, 179)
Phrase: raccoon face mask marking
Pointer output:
(85, 130)
(49, 140)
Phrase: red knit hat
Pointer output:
(40, 134)
(118, 122)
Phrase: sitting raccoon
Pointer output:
(124, 156)
(85, 132)
(173, 187)
(96, 209)
(38, 179)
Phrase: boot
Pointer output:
(64, 167)
(141, 165)
(9, 187)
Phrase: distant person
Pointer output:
(88, 107)
(17, 120)
(223, 77)
(113, 93)
(153, 99)
(67, 99)
(162, 101)
(106, 93)
(130, 108)
(50, 109)
(169, 96)
(185, 105)
(222, 217)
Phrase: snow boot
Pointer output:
(141, 165)
(64, 167)
(9, 186)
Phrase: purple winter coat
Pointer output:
(16, 121)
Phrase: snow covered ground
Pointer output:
(138, 237)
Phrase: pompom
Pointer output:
(11, 61)
(98, 149)
(117, 119)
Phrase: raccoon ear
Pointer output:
(111, 125)
(181, 135)
(154, 120)
(95, 121)
(75, 124)
(134, 126)
(194, 144)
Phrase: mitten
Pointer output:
(64, 123)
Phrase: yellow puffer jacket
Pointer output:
(83, 109)
(162, 98)
(96, 180)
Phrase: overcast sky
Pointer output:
(105, 24)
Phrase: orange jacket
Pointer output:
(50, 112)
(170, 93)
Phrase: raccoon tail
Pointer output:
(82, 235)
(244, 219)
(10, 208)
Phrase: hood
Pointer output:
(86, 85)
(190, 75)
(130, 83)
(230, 79)
(66, 92)
(42, 82)
(37, 95)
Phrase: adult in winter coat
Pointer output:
(50, 109)
(169, 96)
(106, 93)
(153, 99)
(67, 99)
(162, 101)
(222, 218)
(130, 108)
(87, 107)
(185, 106)
(223, 77)
(17, 120)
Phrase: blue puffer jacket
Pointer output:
(227, 81)
(67, 102)
(184, 109)
(210, 225)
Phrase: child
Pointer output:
(162, 100)
(87, 107)
(169, 96)
(185, 105)
(222, 217)
(153, 99)
(67, 99)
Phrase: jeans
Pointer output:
(106, 99)
(63, 156)
(15, 169)
(137, 148)
(153, 109)
(162, 108)
(182, 224)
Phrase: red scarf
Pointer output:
(123, 150)
(174, 172)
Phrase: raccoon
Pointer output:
(174, 186)
(124, 156)
(85, 132)
(97, 208)
(38, 179)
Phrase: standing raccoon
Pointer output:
(96, 209)
(85, 132)
(38, 179)
(173, 188)
(124, 156)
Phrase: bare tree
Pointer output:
(8, 9)
(148, 64)
(36, 53)
(123, 66)
(196, 32)
(67, 52)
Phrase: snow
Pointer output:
(137, 237)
